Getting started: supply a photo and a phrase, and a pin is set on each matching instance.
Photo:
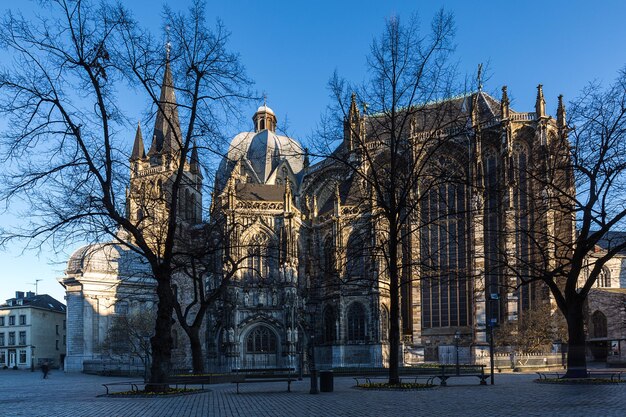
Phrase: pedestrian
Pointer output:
(45, 368)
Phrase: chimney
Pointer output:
(30, 294)
(19, 294)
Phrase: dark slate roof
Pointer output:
(43, 301)
(610, 239)
(349, 194)
(260, 192)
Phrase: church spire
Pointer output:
(505, 103)
(167, 135)
(139, 151)
(560, 114)
(540, 105)
(194, 161)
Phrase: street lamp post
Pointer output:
(312, 370)
(491, 347)
(32, 358)
(457, 338)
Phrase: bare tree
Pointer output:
(386, 162)
(129, 335)
(582, 182)
(65, 149)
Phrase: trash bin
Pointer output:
(326, 381)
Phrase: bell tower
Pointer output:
(152, 175)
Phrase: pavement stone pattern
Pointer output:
(23, 393)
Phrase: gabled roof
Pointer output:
(43, 301)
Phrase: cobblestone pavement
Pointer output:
(24, 393)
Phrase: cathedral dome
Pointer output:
(108, 258)
(261, 153)
(264, 109)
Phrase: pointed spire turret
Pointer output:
(194, 161)
(306, 163)
(505, 103)
(139, 151)
(352, 124)
(540, 105)
(475, 115)
(561, 119)
(167, 135)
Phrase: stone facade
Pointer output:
(306, 239)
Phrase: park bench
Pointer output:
(612, 375)
(133, 385)
(254, 375)
(184, 380)
(453, 371)
(406, 374)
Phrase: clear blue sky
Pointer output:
(290, 49)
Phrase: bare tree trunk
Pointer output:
(197, 357)
(576, 349)
(162, 340)
(394, 313)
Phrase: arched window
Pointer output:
(523, 222)
(444, 215)
(598, 320)
(604, 279)
(492, 232)
(261, 340)
(355, 263)
(329, 257)
(356, 323)
(261, 255)
(384, 324)
(330, 328)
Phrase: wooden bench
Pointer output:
(404, 378)
(134, 385)
(254, 375)
(185, 380)
(453, 371)
(613, 375)
(548, 375)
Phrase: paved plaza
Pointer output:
(24, 393)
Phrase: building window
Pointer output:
(261, 253)
(57, 329)
(11, 338)
(1, 321)
(445, 288)
(64, 324)
(121, 308)
(3, 358)
(384, 324)
(56, 345)
(604, 279)
(356, 323)
(22, 319)
(64, 340)
(330, 328)
(598, 320)
(11, 320)
(22, 338)
(1, 339)
(261, 340)
(22, 356)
